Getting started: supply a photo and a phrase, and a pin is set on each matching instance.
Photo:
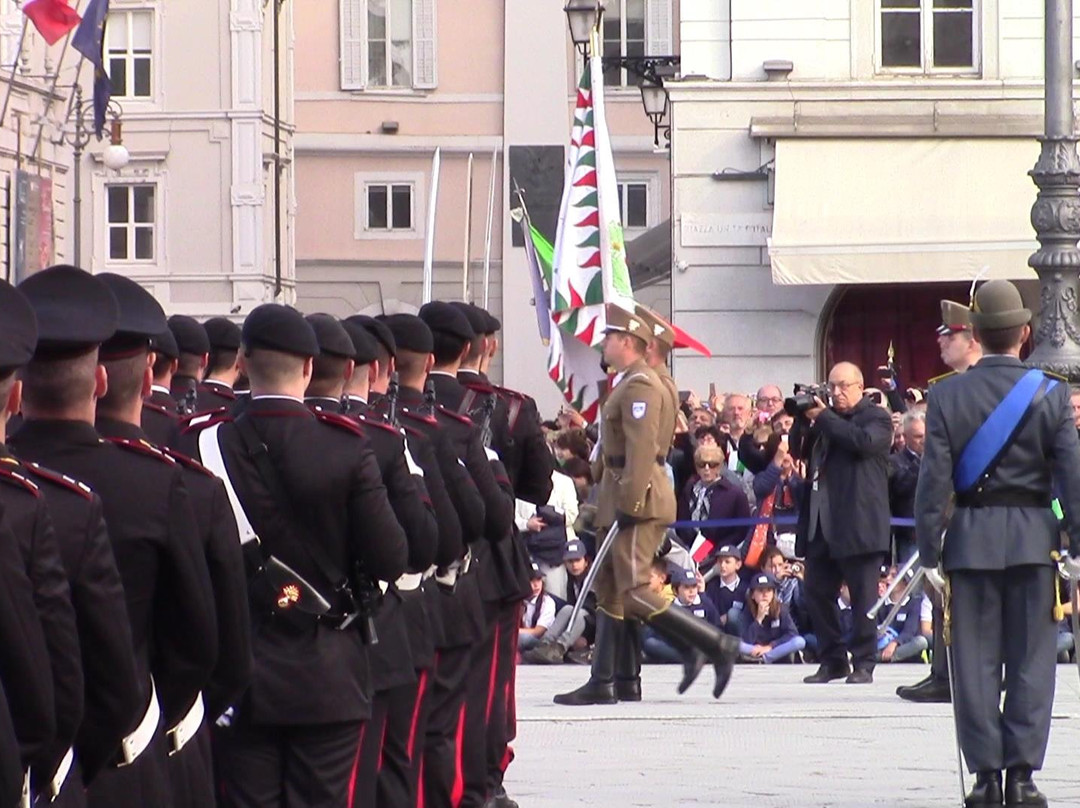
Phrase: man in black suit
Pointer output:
(843, 529)
(996, 551)
(903, 474)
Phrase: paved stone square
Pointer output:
(770, 742)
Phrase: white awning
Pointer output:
(902, 210)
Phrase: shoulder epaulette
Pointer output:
(940, 378)
(424, 419)
(455, 415)
(371, 422)
(224, 392)
(339, 421)
(206, 419)
(480, 387)
(62, 480)
(187, 462)
(506, 391)
(142, 447)
(193, 417)
(11, 472)
(150, 405)
(1056, 376)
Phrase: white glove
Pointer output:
(1072, 567)
(936, 578)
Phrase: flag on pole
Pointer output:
(52, 18)
(589, 256)
(89, 40)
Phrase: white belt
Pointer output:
(24, 800)
(429, 572)
(187, 726)
(56, 784)
(135, 744)
(454, 570)
(409, 581)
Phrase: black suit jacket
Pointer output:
(856, 473)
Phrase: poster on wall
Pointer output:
(33, 224)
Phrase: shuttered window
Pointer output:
(388, 44)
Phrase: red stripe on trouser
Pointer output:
(511, 696)
(492, 675)
(420, 786)
(458, 790)
(421, 686)
(356, 766)
(382, 743)
(507, 757)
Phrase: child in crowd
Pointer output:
(539, 612)
(768, 632)
(727, 590)
(656, 648)
(901, 641)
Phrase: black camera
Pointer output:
(803, 397)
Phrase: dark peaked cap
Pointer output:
(446, 319)
(410, 333)
(377, 329)
(477, 317)
(75, 311)
(165, 344)
(331, 335)
(364, 343)
(18, 328)
(279, 328)
(190, 335)
(141, 317)
(222, 333)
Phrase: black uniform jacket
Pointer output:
(112, 698)
(157, 548)
(307, 672)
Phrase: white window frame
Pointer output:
(353, 48)
(652, 202)
(926, 42)
(361, 182)
(118, 10)
(625, 75)
(148, 171)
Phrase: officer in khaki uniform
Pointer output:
(638, 421)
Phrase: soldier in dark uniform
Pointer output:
(391, 661)
(635, 496)
(127, 360)
(997, 546)
(519, 442)
(308, 485)
(959, 350)
(215, 391)
(494, 556)
(151, 524)
(457, 597)
(160, 414)
(194, 348)
(409, 705)
(28, 516)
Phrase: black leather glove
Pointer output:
(625, 520)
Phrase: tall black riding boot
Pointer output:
(600, 689)
(628, 663)
(700, 642)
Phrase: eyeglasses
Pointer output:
(842, 385)
(770, 400)
(709, 464)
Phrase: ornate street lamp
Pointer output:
(654, 97)
(583, 16)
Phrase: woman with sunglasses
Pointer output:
(712, 494)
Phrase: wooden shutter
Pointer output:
(424, 47)
(353, 49)
(658, 28)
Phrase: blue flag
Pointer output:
(89, 40)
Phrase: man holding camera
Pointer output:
(843, 529)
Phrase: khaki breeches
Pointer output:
(622, 582)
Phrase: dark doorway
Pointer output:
(865, 318)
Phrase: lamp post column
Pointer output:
(78, 143)
(1056, 212)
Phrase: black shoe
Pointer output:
(827, 673)
(591, 692)
(860, 676)
(987, 791)
(628, 689)
(1020, 789)
(929, 691)
(921, 683)
(699, 642)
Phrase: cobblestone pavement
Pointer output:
(770, 742)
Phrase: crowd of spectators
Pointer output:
(730, 460)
